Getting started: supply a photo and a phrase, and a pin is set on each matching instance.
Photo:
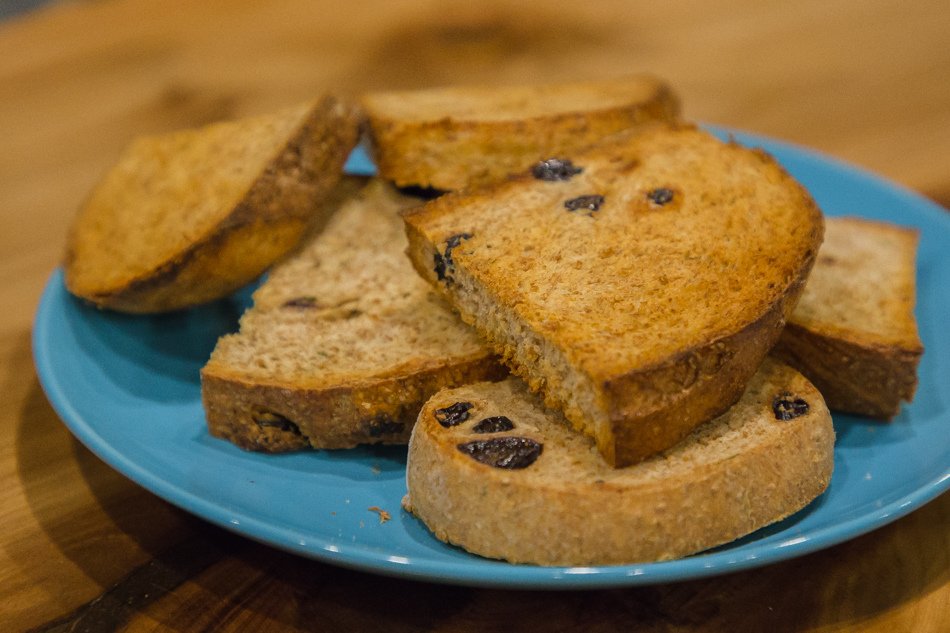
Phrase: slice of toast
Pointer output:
(458, 137)
(344, 342)
(638, 289)
(191, 216)
(854, 334)
(490, 471)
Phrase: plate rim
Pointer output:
(497, 574)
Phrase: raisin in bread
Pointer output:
(637, 286)
(492, 472)
(188, 217)
(457, 137)
(854, 333)
(344, 342)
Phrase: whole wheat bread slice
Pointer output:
(188, 217)
(344, 342)
(490, 471)
(637, 287)
(854, 334)
(458, 137)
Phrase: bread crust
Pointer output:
(854, 377)
(697, 385)
(266, 223)
(282, 417)
(445, 149)
(570, 508)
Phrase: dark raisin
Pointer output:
(585, 203)
(660, 195)
(495, 424)
(301, 302)
(451, 243)
(439, 266)
(383, 424)
(444, 263)
(555, 169)
(453, 415)
(426, 193)
(513, 453)
(269, 419)
(788, 407)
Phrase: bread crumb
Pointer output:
(383, 515)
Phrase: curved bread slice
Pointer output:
(853, 332)
(191, 216)
(638, 289)
(453, 138)
(344, 342)
(540, 493)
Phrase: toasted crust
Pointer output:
(854, 334)
(638, 321)
(689, 389)
(190, 217)
(734, 475)
(284, 417)
(454, 138)
(344, 342)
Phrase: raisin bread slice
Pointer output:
(490, 471)
(191, 216)
(344, 342)
(637, 287)
(854, 334)
(458, 137)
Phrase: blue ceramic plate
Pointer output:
(128, 388)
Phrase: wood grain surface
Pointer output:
(84, 549)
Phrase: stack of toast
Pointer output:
(606, 336)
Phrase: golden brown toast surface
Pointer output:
(637, 294)
(457, 137)
(190, 216)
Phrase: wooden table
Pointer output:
(85, 549)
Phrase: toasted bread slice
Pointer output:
(344, 342)
(854, 334)
(637, 290)
(191, 216)
(490, 471)
(453, 138)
